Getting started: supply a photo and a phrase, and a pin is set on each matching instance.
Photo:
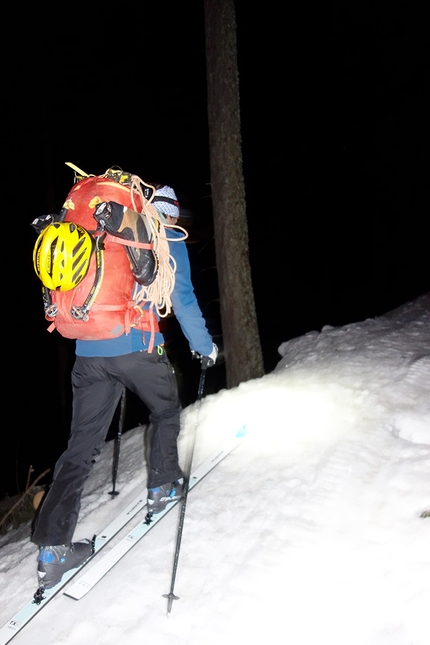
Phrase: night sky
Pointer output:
(335, 155)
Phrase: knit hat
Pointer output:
(166, 202)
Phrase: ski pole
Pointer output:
(117, 446)
(171, 596)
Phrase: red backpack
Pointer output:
(108, 302)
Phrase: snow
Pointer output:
(312, 530)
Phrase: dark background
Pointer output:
(335, 156)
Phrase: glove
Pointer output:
(210, 359)
(40, 223)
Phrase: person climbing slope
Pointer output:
(137, 360)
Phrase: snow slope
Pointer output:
(310, 531)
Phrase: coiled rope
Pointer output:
(158, 293)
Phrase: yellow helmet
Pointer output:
(62, 255)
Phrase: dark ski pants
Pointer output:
(97, 387)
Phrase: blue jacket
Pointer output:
(185, 308)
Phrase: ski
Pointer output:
(105, 564)
(29, 610)
(93, 575)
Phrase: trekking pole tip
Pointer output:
(170, 597)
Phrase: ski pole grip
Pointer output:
(202, 378)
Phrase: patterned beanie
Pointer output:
(166, 202)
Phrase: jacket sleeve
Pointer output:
(185, 305)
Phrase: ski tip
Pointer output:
(242, 432)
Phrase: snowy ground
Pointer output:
(309, 532)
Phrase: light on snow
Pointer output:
(312, 531)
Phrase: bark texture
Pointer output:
(242, 346)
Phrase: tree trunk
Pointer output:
(242, 346)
